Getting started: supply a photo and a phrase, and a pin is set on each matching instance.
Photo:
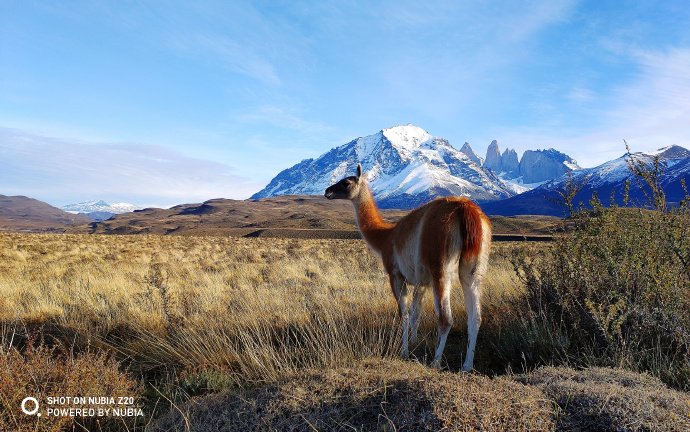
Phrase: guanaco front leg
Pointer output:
(400, 290)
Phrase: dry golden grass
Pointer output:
(190, 316)
(260, 307)
(41, 372)
(606, 399)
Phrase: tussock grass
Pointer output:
(371, 395)
(256, 307)
(606, 399)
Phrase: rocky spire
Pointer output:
(510, 164)
(467, 149)
(493, 158)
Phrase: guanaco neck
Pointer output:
(372, 226)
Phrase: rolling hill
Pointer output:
(283, 216)
(20, 213)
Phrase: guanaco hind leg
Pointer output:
(442, 285)
(470, 278)
(416, 312)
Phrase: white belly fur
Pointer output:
(408, 259)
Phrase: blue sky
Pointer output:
(160, 103)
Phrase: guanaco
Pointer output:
(427, 247)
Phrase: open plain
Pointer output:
(175, 320)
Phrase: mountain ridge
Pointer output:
(99, 210)
(295, 216)
(535, 166)
(607, 180)
(405, 166)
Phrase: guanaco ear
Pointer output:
(359, 171)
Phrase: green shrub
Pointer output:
(614, 290)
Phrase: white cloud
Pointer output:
(61, 171)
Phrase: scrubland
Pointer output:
(211, 333)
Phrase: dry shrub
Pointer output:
(370, 395)
(604, 399)
(43, 372)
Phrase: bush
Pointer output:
(615, 290)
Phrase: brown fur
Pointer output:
(447, 234)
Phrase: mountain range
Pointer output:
(536, 166)
(406, 166)
(607, 181)
(99, 210)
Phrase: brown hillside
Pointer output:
(284, 216)
(20, 213)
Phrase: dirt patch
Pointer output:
(373, 395)
(305, 233)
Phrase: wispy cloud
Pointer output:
(60, 171)
(237, 57)
(477, 47)
(282, 117)
(649, 112)
(580, 94)
(281, 135)
(523, 22)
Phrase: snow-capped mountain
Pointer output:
(535, 167)
(92, 206)
(99, 210)
(405, 166)
(606, 180)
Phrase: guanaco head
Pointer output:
(347, 188)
